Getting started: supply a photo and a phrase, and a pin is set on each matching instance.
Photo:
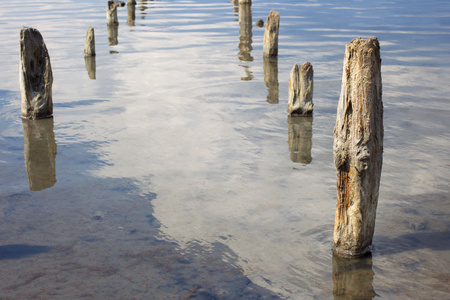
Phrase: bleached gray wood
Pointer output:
(89, 44)
(111, 13)
(301, 86)
(245, 31)
(270, 42)
(36, 76)
(358, 147)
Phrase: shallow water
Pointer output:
(168, 172)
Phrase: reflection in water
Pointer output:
(91, 66)
(270, 66)
(247, 72)
(131, 17)
(300, 139)
(235, 6)
(113, 33)
(245, 32)
(40, 153)
(353, 277)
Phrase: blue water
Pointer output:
(170, 173)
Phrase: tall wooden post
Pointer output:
(270, 41)
(301, 86)
(245, 31)
(358, 148)
(111, 14)
(36, 76)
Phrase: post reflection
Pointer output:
(353, 277)
(113, 33)
(40, 153)
(270, 66)
(300, 139)
(91, 66)
(131, 16)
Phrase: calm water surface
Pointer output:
(171, 170)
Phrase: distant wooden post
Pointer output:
(36, 76)
(131, 9)
(301, 87)
(358, 148)
(111, 13)
(270, 42)
(245, 31)
(89, 44)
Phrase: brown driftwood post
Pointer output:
(301, 87)
(131, 9)
(245, 30)
(358, 148)
(36, 76)
(270, 41)
(111, 13)
(89, 44)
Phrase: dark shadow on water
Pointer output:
(78, 103)
(353, 278)
(40, 153)
(436, 241)
(21, 251)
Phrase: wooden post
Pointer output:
(270, 42)
(89, 44)
(245, 31)
(36, 76)
(111, 14)
(301, 87)
(358, 148)
(131, 16)
(40, 153)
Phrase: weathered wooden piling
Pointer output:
(111, 13)
(358, 148)
(89, 44)
(270, 42)
(40, 153)
(245, 31)
(270, 68)
(245, 2)
(300, 139)
(36, 76)
(301, 86)
(131, 13)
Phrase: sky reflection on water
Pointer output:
(183, 147)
